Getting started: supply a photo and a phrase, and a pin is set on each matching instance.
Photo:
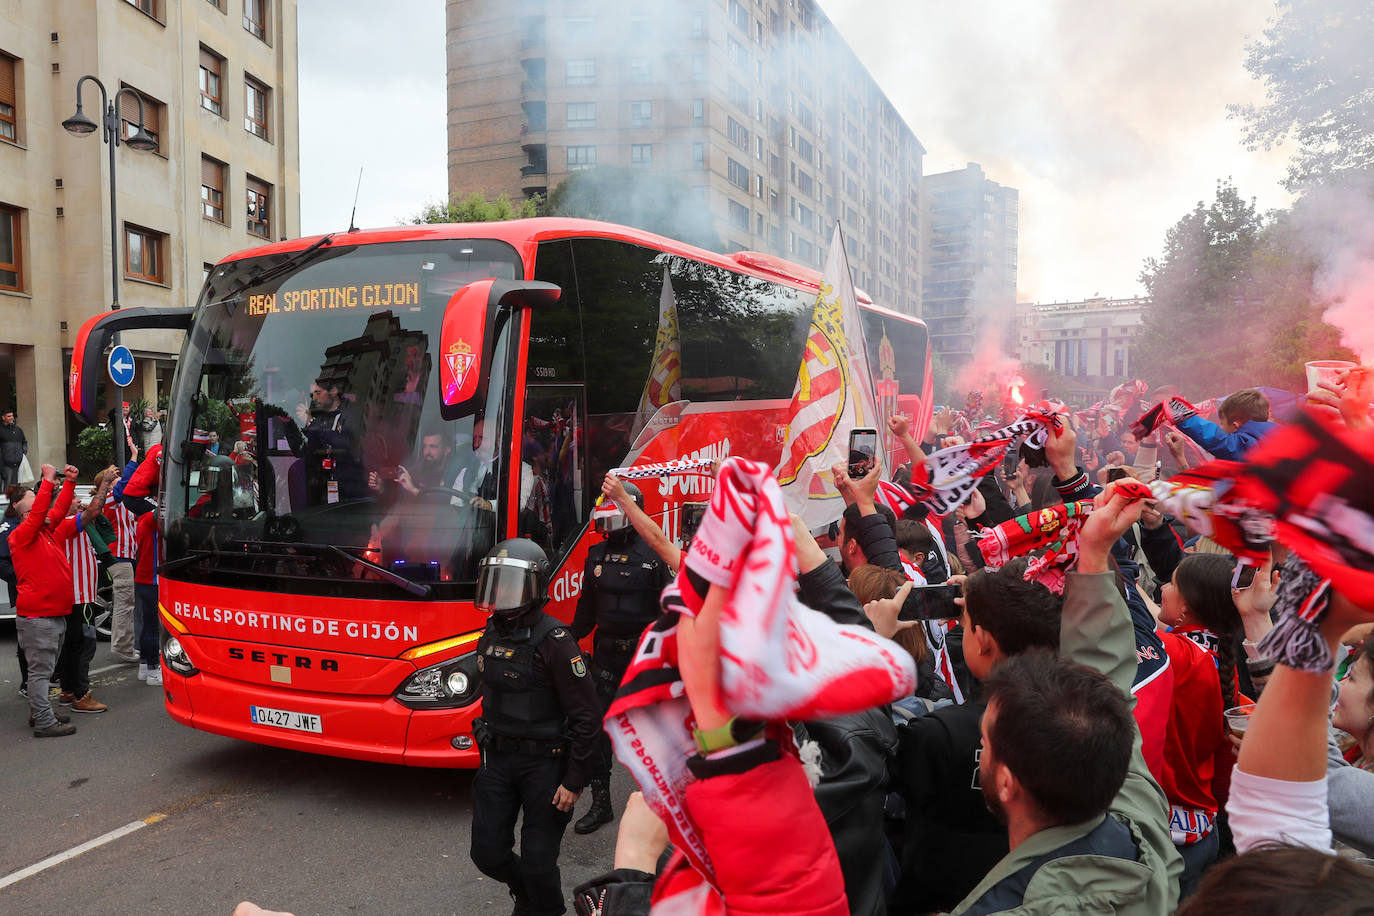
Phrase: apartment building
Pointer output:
(758, 106)
(970, 260)
(1088, 343)
(218, 83)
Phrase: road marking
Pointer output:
(16, 877)
(107, 668)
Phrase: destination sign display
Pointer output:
(329, 298)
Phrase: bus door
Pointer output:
(553, 467)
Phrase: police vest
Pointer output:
(516, 702)
(626, 581)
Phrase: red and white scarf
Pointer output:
(662, 468)
(779, 659)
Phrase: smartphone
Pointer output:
(1116, 474)
(692, 514)
(863, 448)
(1244, 576)
(1011, 462)
(932, 602)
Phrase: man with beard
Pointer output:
(950, 840)
(436, 469)
(1061, 766)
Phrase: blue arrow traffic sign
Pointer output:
(121, 366)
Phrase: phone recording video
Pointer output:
(692, 514)
(932, 602)
(1244, 576)
(1116, 474)
(863, 450)
(1011, 462)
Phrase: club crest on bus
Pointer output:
(460, 359)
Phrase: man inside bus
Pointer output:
(476, 476)
(331, 471)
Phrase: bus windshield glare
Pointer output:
(306, 445)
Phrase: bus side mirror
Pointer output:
(466, 337)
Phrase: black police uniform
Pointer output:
(621, 585)
(538, 730)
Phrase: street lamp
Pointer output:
(79, 125)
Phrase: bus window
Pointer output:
(321, 387)
(553, 468)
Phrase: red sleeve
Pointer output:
(24, 533)
(63, 503)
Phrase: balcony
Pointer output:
(532, 90)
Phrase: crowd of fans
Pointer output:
(1134, 744)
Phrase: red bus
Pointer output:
(388, 404)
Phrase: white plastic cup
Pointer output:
(1238, 719)
(1324, 370)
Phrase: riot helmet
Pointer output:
(608, 517)
(512, 578)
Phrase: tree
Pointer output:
(1233, 302)
(476, 208)
(645, 200)
(1319, 85)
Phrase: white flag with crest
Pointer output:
(833, 395)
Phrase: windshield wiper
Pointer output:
(271, 273)
(419, 589)
(195, 556)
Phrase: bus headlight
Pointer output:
(447, 685)
(174, 654)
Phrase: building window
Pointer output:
(698, 111)
(698, 66)
(580, 72)
(9, 99)
(640, 29)
(217, 4)
(737, 133)
(153, 116)
(259, 208)
(698, 25)
(640, 71)
(758, 187)
(738, 175)
(143, 254)
(212, 189)
(805, 216)
(738, 15)
(255, 17)
(699, 155)
(255, 96)
(641, 113)
(581, 114)
(580, 29)
(211, 67)
(581, 157)
(739, 96)
(147, 6)
(11, 248)
(642, 154)
(735, 51)
(739, 216)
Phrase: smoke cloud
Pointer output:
(1337, 223)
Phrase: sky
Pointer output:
(1109, 118)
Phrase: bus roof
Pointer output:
(525, 234)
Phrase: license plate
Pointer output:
(285, 718)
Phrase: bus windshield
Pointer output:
(306, 444)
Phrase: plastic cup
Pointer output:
(1324, 370)
(1238, 719)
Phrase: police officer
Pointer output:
(621, 584)
(537, 733)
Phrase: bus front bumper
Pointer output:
(371, 728)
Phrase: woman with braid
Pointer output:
(1198, 606)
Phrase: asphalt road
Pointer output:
(223, 821)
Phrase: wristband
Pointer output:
(731, 734)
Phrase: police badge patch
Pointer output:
(579, 667)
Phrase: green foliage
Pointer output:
(476, 208)
(1232, 303)
(1314, 63)
(645, 200)
(94, 450)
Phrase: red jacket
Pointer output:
(145, 537)
(144, 480)
(1198, 756)
(769, 844)
(40, 562)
